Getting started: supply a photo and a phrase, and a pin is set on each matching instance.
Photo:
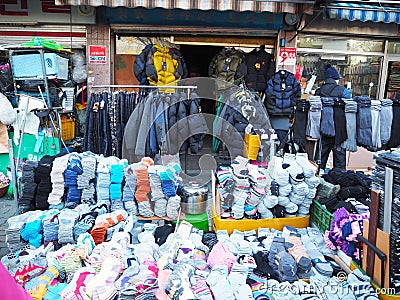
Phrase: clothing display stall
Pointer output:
(120, 220)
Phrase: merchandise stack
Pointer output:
(285, 189)
(149, 261)
(389, 160)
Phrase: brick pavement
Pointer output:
(7, 209)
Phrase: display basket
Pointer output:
(3, 190)
(229, 225)
(321, 217)
(68, 129)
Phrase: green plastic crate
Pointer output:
(321, 217)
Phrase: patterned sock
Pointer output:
(101, 286)
(200, 288)
(76, 289)
(29, 269)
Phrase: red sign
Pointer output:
(97, 54)
(287, 56)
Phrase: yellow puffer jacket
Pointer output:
(164, 67)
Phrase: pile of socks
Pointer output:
(26, 201)
(74, 169)
(142, 191)
(241, 192)
(85, 223)
(67, 219)
(32, 233)
(258, 182)
(104, 222)
(116, 178)
(42, 179)
(50, 227)
(157, 195)
(85, 180)
(57, 179)
(103, 182)
(37, 287)
(128, 193)
(14, 226)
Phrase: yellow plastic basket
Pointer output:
(68, 129)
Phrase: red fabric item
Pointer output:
(10, 290)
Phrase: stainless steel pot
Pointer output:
(194, 198)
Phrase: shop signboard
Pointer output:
(44, 11)
(287, 56)
(97, 54)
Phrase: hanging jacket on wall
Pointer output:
(260, 68)
(139, 66)
(233, 119)
(283, 90)
(161, 67)
(228, 65)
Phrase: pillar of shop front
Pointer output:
(98, 64)
(286, 51)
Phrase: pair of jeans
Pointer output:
(350, 144)
(327, 117)
(339, 154)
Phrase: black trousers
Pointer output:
(339, 156)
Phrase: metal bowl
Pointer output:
(194, 198)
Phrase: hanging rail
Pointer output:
(187, 87)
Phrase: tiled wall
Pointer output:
(98, 74)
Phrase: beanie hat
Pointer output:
(331, 72)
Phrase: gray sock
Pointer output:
(237, 279)
(219, 284)
(145, 209)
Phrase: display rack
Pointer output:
(38, 70)
(361, 76)
(393, 83)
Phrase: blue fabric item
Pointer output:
(364, 121)
(74, 195)
(327, 120)
(283, 90)
(127, 194)
(331, 72)
(168, 187)
(116, 173)
(363, 12)
(115, 191)
(346, 229)
(31, 230)
(75, 164)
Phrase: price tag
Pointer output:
(274, 136)
(264, 136)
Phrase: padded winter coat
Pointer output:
(332, 89)
(260, 68)
(228, 65)
(282, 93)
(231, 132)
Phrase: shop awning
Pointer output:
(362, 12)
(291, 6)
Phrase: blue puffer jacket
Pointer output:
(282, 93)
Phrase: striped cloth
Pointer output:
(362, 12)
(221, 5)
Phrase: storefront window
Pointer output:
(361, 73)
(357, 61)
(394, 48)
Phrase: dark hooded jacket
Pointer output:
(260, 68)
(282, 93)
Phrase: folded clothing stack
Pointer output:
(26, 201)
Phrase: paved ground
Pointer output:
(7, 209)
